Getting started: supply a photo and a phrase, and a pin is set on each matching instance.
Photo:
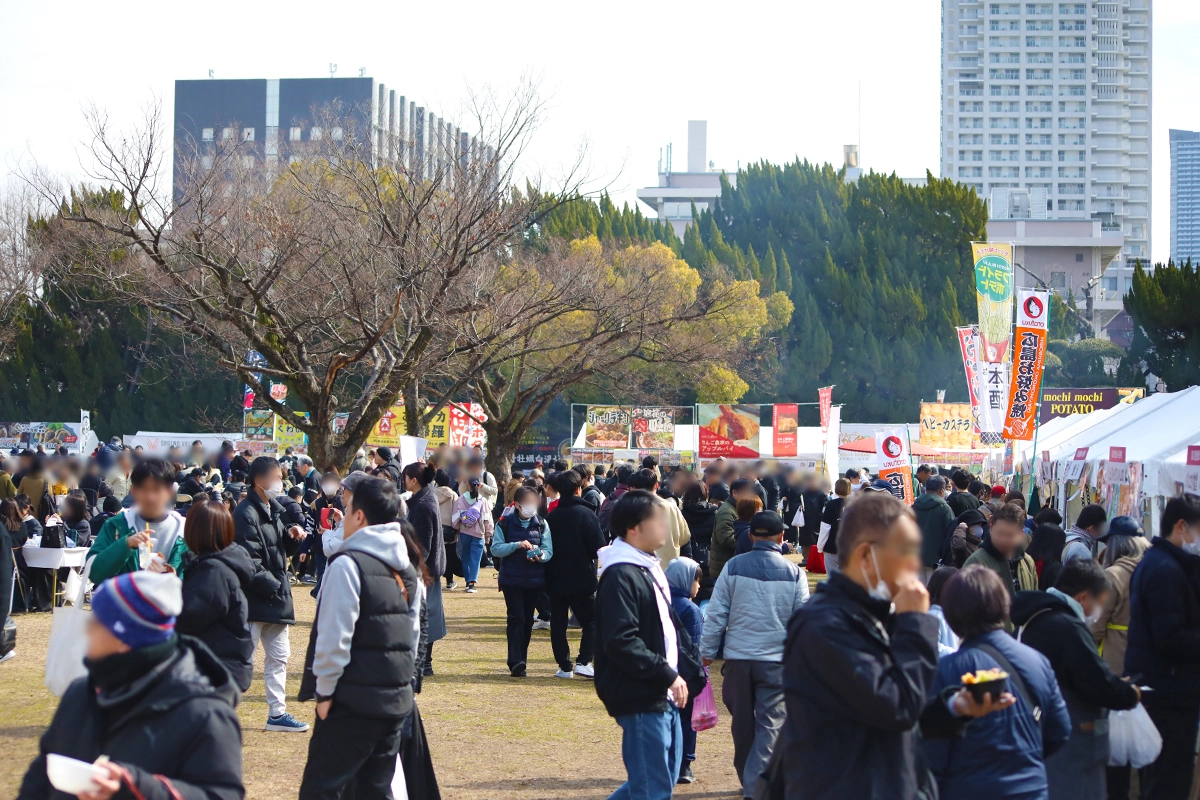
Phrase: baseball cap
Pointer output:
(878, 485)
(351, 481)
(1123, 526)
(766, 523)
(999, 491)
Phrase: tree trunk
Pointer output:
(326, 455)
(500, 453)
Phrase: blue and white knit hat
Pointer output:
(139, 607)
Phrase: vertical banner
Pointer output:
(994, 293)
(832, 440)
(466, 425)
(993, 390)
(1029, 361)
(825, 396)
(1191, 473)
(654, 428)
(894, 464)
(785, 421)
(729, 430)
(968, 343)
(606, 427)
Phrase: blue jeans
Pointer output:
(652, 749)
(470, 551)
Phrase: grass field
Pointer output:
(491, 736)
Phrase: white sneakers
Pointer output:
(585, 671)
(562, 674)
(541, 625)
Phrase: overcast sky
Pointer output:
(775, 80)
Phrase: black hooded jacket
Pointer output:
(174, 730)
(577, 537)
(215, 609)
(262, 531)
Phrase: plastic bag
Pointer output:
(704, 710)
(1132, 738)
(68, 640)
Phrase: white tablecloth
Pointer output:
(54, 557)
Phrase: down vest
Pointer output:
(751, 604)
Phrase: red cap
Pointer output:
(999, 491)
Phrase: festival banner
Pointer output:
(968, 343)
(1078, 462)
(288, 435)
(948, 426)
(437, 432)
(1029, 361)
(994, 294)
(729, 430)
(53, 435)
(785, 421)
(1191, 472)
(893, 462)
(390, 427)
(1116, 471)
(258, 425)
(993, 389)
(653, 428)
(825, 398)
(832, 440)
(11, 434)
(466, 425)
(607, 427)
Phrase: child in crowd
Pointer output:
(747, 507)
(151, 520)
(472, 520)
(683, 576)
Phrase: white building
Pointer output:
(676, 192)
(1052, 99)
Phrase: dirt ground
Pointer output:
(491, 736)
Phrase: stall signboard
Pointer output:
(288, 435)
(52, 435)
(653, 428)
(948, 426)
(607, 427)
(11, 434)
(465, 425)
(729, 430)
(1191, 474)
(258, 425)
(1116, 471)
(1064, 402)
(785, 422)
(390, 427)
(893, 463)
(968, 343)
(257, 447)
(1029, 363)
(1078, 462)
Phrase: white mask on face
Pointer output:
(273, 491)
(528, 511)
(1094, 617)
(880, 590)
(329, 488)
(1192, 547)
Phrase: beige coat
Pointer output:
(678, 533)
(1111, 631)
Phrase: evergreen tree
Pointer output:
(1166, 333)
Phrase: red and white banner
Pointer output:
(1191, 473)
(968, 343)
(1029, 362)
(1116, 471)
(463, 430)
(825, 396)
(894, 464)
(1075, 468)
(785, 422)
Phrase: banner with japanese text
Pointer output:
(288, 435)
(729, 430)
(968, 343)
(893, 462)
(258, 425)
(1029, 362)
(785, 421)
(653, 428)
(466, 425)
(994, 295)
(607, 427)
(948, 426)
(390, 427)
(825, 400)
(993, 390)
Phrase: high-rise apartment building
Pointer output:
(1185, 196)
(1046, 111)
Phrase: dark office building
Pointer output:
(277, 114)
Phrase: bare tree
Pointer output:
(20, 269)
(352, 263)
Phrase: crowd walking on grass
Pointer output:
(966, 646)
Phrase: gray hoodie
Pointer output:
(339, 597)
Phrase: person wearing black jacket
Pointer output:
(1164, 645)
(571, 574)
(859, 661)
(259, 527)
(1056, 623)
(158, 705)
(961, 500)
(388, 466)
(214, 601)
(426, 520)
(643, 654)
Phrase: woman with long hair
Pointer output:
(10, 531)
(425, 518)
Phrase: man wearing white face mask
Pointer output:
(521, 545)
(1056, 623)
(258, 528)
(859, 660)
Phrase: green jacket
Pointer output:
(1026, 570)
(933, 518)
(114, 557)
(724, 540)
(7, 489)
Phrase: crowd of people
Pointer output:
(855, 690)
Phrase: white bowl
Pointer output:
(71, 775)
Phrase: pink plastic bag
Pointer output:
(704, 710)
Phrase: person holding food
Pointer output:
(147, 535)
(976, 605)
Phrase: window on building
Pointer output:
(1042, 9)
(1079, 258)
(1058, 280)
(294, 134)
(1039, 25)
(1109, 284)
(247, 134)
(206, 134)
(1072, 8)
(206, 162)
(314, 134)
(1005, 91)
(226, 134)
(336, 134)
(1039, 41)
(248, 162)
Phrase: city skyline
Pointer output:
(779, 91)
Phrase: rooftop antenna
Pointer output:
(332, 69)
(362, 72)
(211, 74)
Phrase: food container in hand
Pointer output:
(986, 681)
(72, 776)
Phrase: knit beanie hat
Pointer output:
(139, 608)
